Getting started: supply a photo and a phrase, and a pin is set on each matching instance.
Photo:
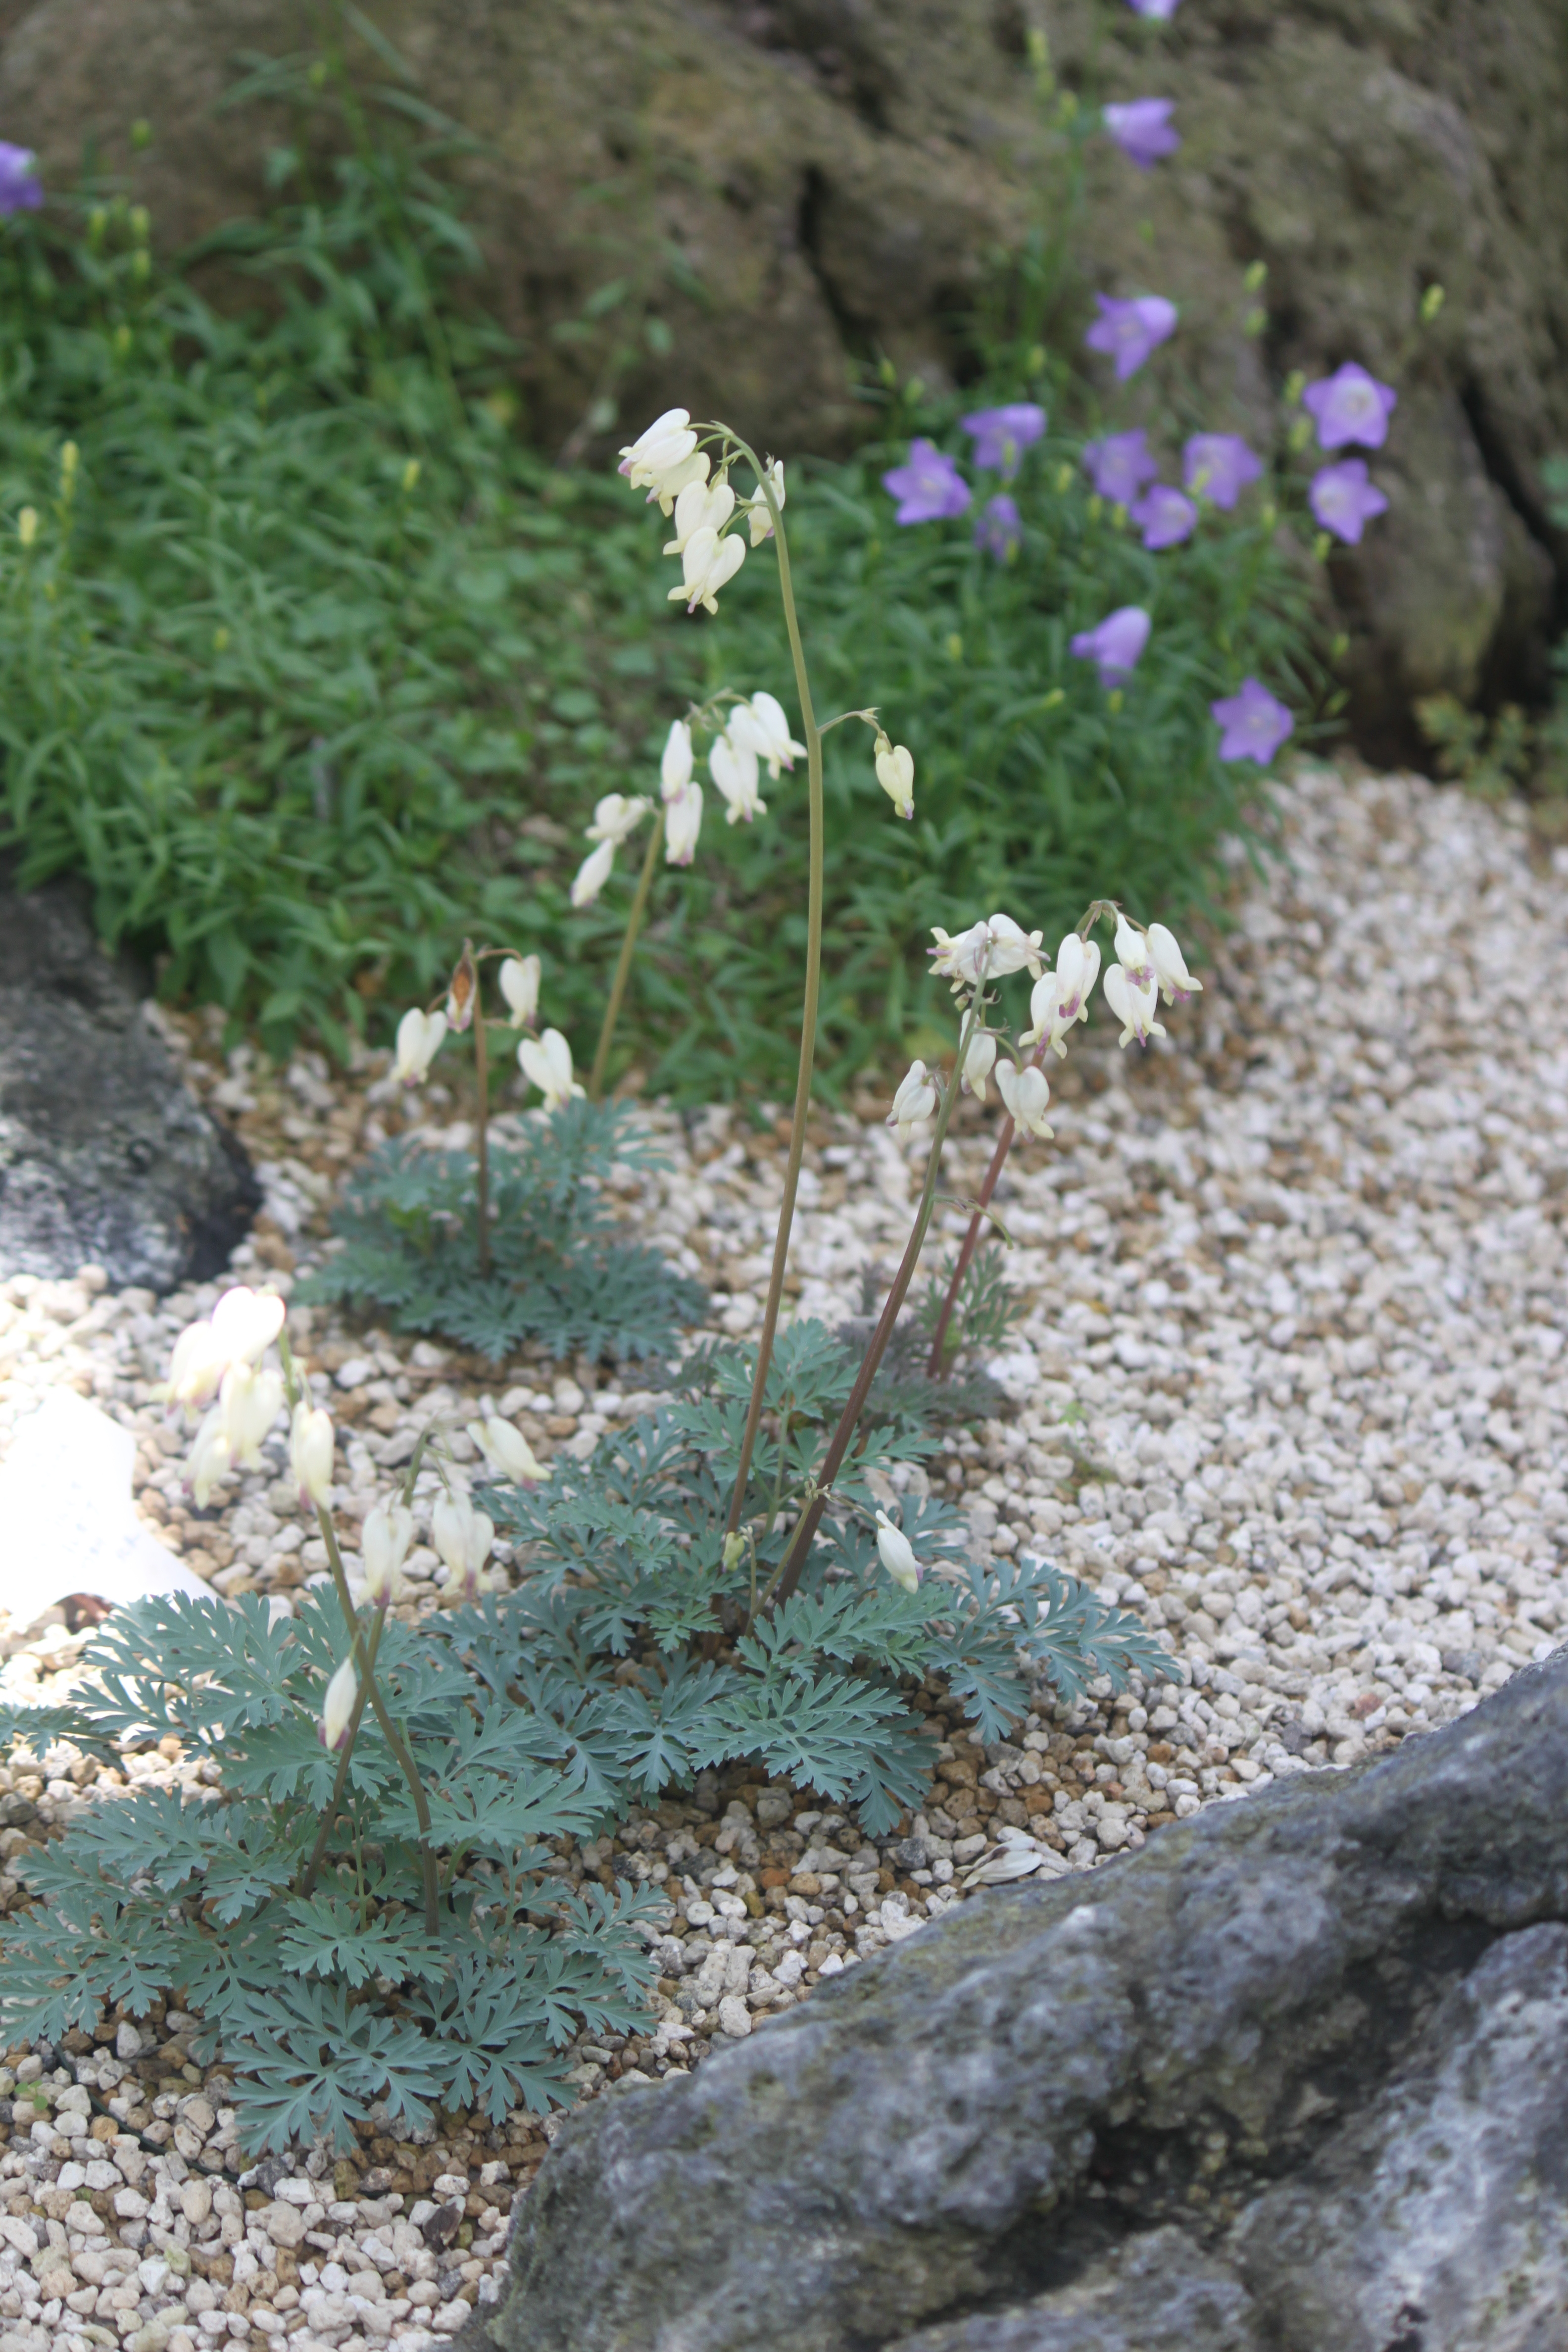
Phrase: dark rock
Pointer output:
(911, 1854)
(834, 181)
(106, 1157)
(1293, 2078)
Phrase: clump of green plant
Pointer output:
(1491, 757)
(492, 1247)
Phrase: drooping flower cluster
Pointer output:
(220, 1357)
(666, 461)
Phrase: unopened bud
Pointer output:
(734, 1552)
(28, 525)
(1431, 303)
(462, 994)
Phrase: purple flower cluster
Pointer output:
(1127, 332)
(1144, 131)
(1001, 436)
(1120, 466)
(928, 486)
(19, 189)
(1218, 467)
(1165, 517)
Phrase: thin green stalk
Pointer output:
(390, 1732)
(482, 1156)
(305, 1884)
(623, 967)
(808, 1009)
(789, 1568)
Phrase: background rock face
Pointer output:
(791, 183)
(106, 1157)
(1294, 2078)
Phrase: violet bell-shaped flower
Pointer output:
(928, 486)
(385, 1545)
(896, 774)
(1253, 723)
(1127, 332)
(592, 874)
(682, 824)
(1002, 434)
(1026, 1095)
(546, 1063)
(420, 1036)
(763, 725)
(999, 527)
(20, 191)
(1116, 645)
(1344, 500)
(310, 1446)
(915, 1101)
(1218, 467)
(1351, 407)
(896, 1553)
(338, 1707)
(1120, 466)
(1142, 129)
(520, 977)
(707, 562)
(1164, 517)
(1134, 1006)
(733, 768)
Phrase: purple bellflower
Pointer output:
(929, 487)
(1142, 130)
(19, 188)
(1219, 466)
(1159, 9)
(1001, 436)
(1253, 723)
(1128, 331)
(1120, 466)
(1164, 517)
(1351, 407)
(1000, 528)
(1116, 644)
(1344, 501)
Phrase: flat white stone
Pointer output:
(65, 1505)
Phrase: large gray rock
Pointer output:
(793, 186)
(1294, 2078)
(106, 1157)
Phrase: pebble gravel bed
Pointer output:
(1288, 1382)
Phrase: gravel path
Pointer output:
(1287, 1383)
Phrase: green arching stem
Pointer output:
(808, 1010)
(306, 1879)
(623, 967)
(789, 1568)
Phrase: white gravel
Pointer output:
(1287, 1383)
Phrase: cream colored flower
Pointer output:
(896, 774)
(898, 1554)
(1133, 1007)
(592, 874)
(915, 1100)
(338, 1707)
(311, 1445)
(1026, 1095)
(520, 977)
(546, 1063)
(420, 1036)
(707, 562)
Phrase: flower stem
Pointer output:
(390, 1732)
(623, 967)
(808, 1009)
(794, 1558)
(306, 1883)
(939, 1336)
(482, 1079)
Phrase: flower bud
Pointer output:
(896, 774)
(463, 990)
(977, 1063)
(338, 1707)
(897, 1554)
(383, 1547)
(311, 1452)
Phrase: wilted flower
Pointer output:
(1350, 406)
(1344, 501)
(1026, 1096)
(733, 768)
(1116, 645)
(1142, 130)
(463, 1537)
(675, 760)
(1127, 332)
(592, 874)
(462, 991)
(977, 1063)
(898, 1554)
(383, 1547)
(520, 977)
(1120, 466)
(682, 823)
(1001, 436)
(507, 1450)
(757, 513)
(1062, 996)
(546, 1063)
(19, 189)
(338, 1707)
(1134, 1006)
(999, 529)
(762, 724)
(420, 1036)
(1253, 723)
(311, 1452)
(896, 774)
(915, 1100)
(1218, 467)
(928, 486)
(1176, 982)
(706, 562)
(665, 459)
(1164, 517)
